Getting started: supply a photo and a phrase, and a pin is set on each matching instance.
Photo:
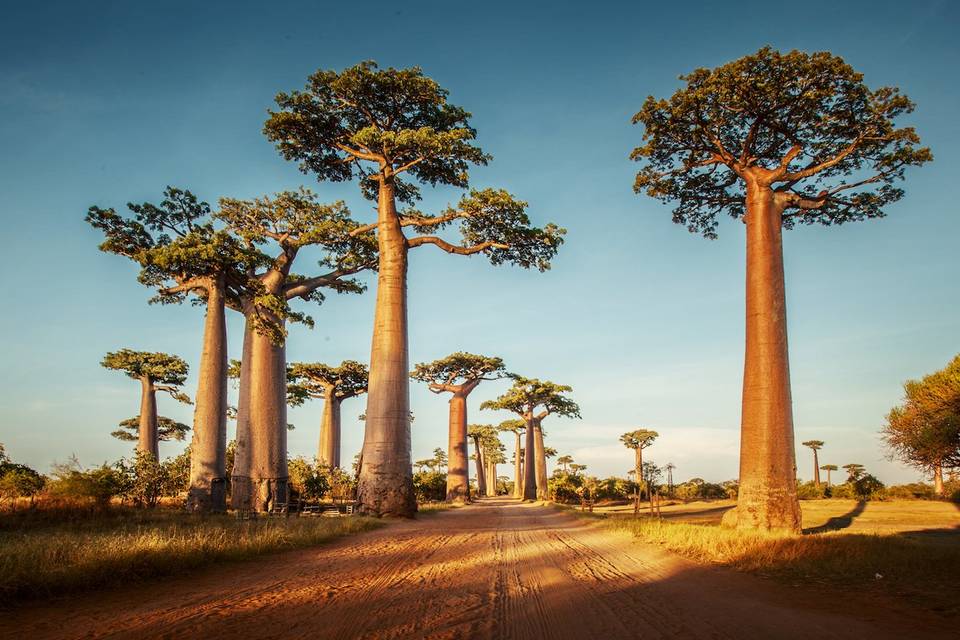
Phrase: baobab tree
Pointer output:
(774, 140)
(492, 456)
(639, 440)
(333, 385)
(482, 436)
(854, 471)
(458, 374)
(285, 224)
(517, 428)
(828, 468)
(524, 398)
(670, 467)
(167, 429)
(924, 431)
(393, 128)
(577, 468)
(155, 372)
(182, 255)
(815, 445)
(563, 461)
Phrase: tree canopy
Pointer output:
(814, 444)
(169, 371)
(167, 429)
(639, 439)
(457, 369)
(315, 380)
(528, 394)
(802, 124)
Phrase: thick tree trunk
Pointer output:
(517, 469)
(529, 466)
(328, 452)
(208, 449)
(385, 487)
(638, 472)
(268, 422)
(938, 479)
(481, 476)
(240, 490)
(540, 462)
(492, 479)
(768, 493)
(816, 469)
(828, 477)
(147, 436)
(458, 480)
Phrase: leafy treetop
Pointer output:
(458, 372)
(377, 124)
(167, 429)
(527, 394)
(639, 439)
(168, 370)
(804, 125)
(316, 380)
(513, 425)
(814, 444)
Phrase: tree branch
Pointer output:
(451, 248)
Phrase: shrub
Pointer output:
(308, 480)
(98, 485)
(810, 491)
(430, 485)
(19, 481)
(912, 491)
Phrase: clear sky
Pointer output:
(108, 102)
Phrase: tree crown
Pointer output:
(458, 369)
(804, 125)
(528, 394)
(167, 429)
(514, 426)
(315, 379)
(814, 444)
(158, 367)
(639, 439)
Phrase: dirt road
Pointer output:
(498, 569)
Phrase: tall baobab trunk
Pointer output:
(328, 452)
(638, 471)
(208, 449)
(268, 421)
(938, 479)
(481, 475)
(828, 477)
(816, 469)
(768, 472)
(147, 436)
(240, 491)
(529, 466)
(458, 479)
(540, 462)
(492, 478)
(517, 469)
(385, 486)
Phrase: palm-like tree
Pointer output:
(815, 445)
(638, 441)
(563, 461)
(854, 471)
(577, 468)
(828, 468)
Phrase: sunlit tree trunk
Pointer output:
(517, 469)
(240, 474)
(328, 451)
(147, 436)
(385, 486)
(208, 449)
(540, 462)
(458, 480)
(816, 468)
(638, 471)
(481, 475)
(768, 496)
(268, 421)
(529, 466)
(492, 479)
(938, 479)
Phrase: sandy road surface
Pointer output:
(498, 569)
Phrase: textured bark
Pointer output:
(208, 448)
(638, 471)
(540, 462)
(385, 486)
(240, 490)
(328, 452)
(828, 477)
(491, 479)
(529, 466)
(768, 495)
(517, 469)
(938, 479)
(268, 422)
(458, 477)
(481, 475)
(147, 436)
(816, 468)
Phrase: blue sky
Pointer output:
(108, 102)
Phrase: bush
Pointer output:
(810, 491)
(912, 491)
(430, 486)
(98, 485)
(19, 481)
(565, 487)
(308, 480)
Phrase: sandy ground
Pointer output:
(497, 569)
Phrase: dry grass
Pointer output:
(40, 558)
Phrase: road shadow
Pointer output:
(837, 523)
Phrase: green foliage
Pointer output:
(158, 367)
(309, 480)
(528, 394)
(19, 481)
(459, 368)
(811, 491)
(167, 429)
(313, 380)
(912, 491)
(98, 485)
(698, 489)
(430, 485)
(639, 439)
(804, 124)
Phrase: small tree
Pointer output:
(773, 139)
(167, 429)
(924, 431)
(333, 385)
(638, 441)
(458, 374)
(18, 481)
(524, 398)
(156, 372)
(563, 461)
(815, 445)
(392, 129)
(828, 468)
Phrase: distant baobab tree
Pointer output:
(563, 461)
(392, 129)
(670, 467)
(828, 468)
(524, 398)
(854, 471)
(517, 428)
(333, 385)
(773, 140)
(167, 429)
(639, 440)
(577, 468)
(155, 372)
(482, 435)
(458, 374)
(815, 445)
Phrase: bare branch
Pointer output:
(452, 248)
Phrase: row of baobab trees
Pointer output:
(773, 140)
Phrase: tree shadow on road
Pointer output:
(837, 523)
